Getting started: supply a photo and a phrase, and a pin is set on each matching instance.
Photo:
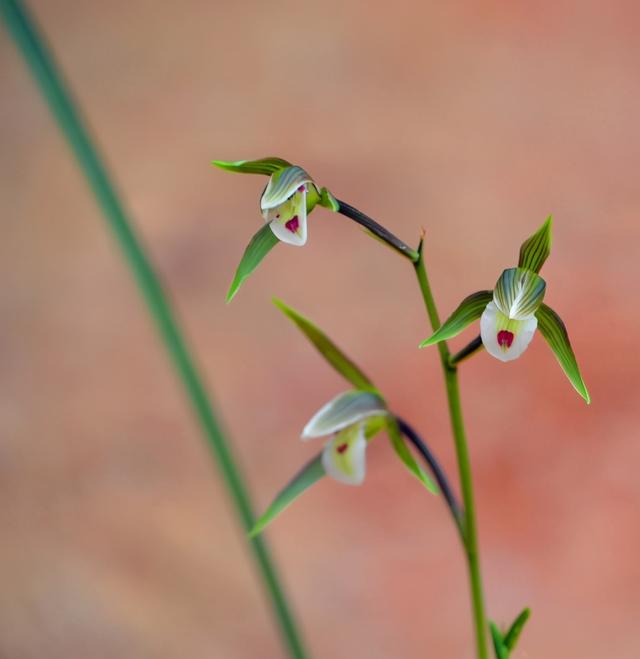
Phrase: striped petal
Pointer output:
(344, 410)
(288, 221)
(505, 338)
(343, 457)
(519, 293)
(282, 185)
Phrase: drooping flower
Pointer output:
(508, 322)
(345, 417)
(289, 197)
(284, 204)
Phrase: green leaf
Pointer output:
(311, 473)
(265, 166)
(327, 348)
(512, 636)
(535, 250)
(498, 643)
(470, 309)
(259, 246)
(405, 455)
(555, 333)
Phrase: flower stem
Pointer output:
(40, 60)
(469, 350)
(437, 471)
(377, 230)
(464, 466)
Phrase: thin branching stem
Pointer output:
(377, 230)
(438, 473)
(468, 351)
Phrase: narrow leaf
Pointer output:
(327, 348)
(265, 166)
(311, 473)
(535, 250)
(259, 246)
(512, 636)
(405, 455)
(555, 333)
(498, 643)
(470, 309)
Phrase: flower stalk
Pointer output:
(45, 71)
(470, 537)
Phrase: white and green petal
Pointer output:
(519, 293)
(344, 410)
(503, 337)
(508, 322)
(343, 458)
(284, 204)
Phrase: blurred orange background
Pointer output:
(474, 120)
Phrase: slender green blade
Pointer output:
(265, 166)
(405, 455)
(41, 61)
(513, 634)
(327, 348)
(555, 333)
(498, 643)
(259, 246)
(311, 473)
(535, 250)
(470, 309)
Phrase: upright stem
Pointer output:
(464, 466)
(40, 60)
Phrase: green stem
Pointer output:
(40, 60)
(464, 466)
(468, 351)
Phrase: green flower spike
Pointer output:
(289, 197)
(511, 313)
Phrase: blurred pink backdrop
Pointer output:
(474, 120)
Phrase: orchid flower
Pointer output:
(511, 313)
(284, 204)
(289, 197)
(345, 417)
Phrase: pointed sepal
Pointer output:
(311, 473)
(259, 246)
(327, 348)
(406, 457)
(535, 250)
(555, 334)
(344, 410)
(470, 309)
(267, 166)
(282, 185)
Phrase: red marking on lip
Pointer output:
(342, 448)
(301, 188)
(505, 339)
(293, 224)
